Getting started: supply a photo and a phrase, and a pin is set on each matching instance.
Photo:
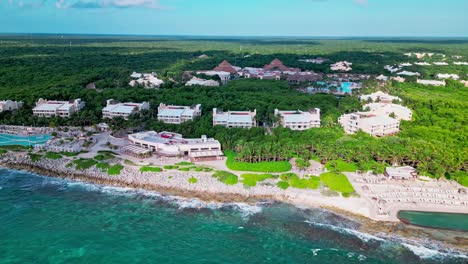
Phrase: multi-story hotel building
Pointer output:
(174, 114)
(299, 120)
(378, 126)
(230, 119)
(172, 145)
(46, 108)
(116, 109)
(9, 105)
(400, 112)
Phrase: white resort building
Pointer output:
(46, 108)
(174, 145)
(379, 96)
(202, 82)
(9, 105)
(230, 119)
(447, 76)
(401, 173)
(299, 120)
(431, 82)
(379, 109)
(371, 124)
(174, 114)
(116, 109)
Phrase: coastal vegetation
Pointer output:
(115, 169)
(150, 169)
(84, 164)
(226, 177)
(337, 182)
(192, 180)
(251, 179)
(263, 166)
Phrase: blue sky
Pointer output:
(237, 17)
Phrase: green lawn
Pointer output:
(337, 182)
(274, 166)
(251, 179)
(341, 166)
(115, 170)
(2, 151)
(150, 169)
(83, 164)
(295, 181)
(226, 177)
(53, 155)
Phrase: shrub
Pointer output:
(226, 177)
(115, 170)
(184, 163)
(150, 169)
(129, 162)
(288, 176)
(83, 164)
(313, 182)
(104, 156)
(273, 166)
(68, 154)
(102, 166)
(171, 167)
(252, 179)
(184, 169)
(283, 185)
(53, 155)
(35, 157)
(193, 180)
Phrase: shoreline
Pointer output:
(366, 224)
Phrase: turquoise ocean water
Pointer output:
(47, 220)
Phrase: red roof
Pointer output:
(226, 67)
(276, 64)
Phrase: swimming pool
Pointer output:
(8, 139)
(346, 87)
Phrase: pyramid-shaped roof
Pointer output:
(276, 64)
(226, 67)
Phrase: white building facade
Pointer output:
(400, 112)
(174, 114)
(116, 109)
(234, 119)
(9, 105)
(46, 108)
(299, 120)
(377, 126)
(174, 145)
(379, 96)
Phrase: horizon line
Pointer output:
(228, 36)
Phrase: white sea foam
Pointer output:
(315, 251)
(425, 253)
(363, 236)
(362, 258)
